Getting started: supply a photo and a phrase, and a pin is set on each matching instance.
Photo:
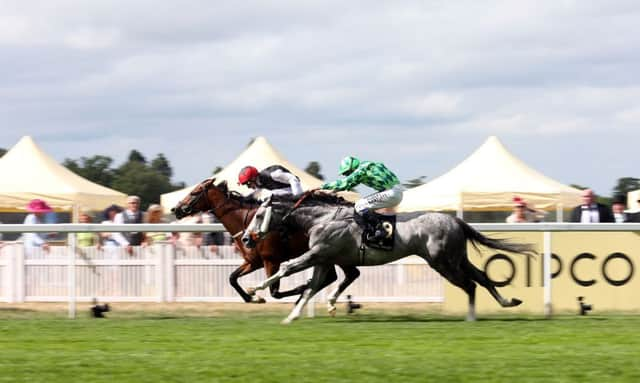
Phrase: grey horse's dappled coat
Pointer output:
(334, 238)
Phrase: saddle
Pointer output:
(378, 230)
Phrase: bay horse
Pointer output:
(335, 239)
(235, 212)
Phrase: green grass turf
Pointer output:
(367, 347)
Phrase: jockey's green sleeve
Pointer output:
(373, 174)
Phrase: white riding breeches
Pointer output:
(385, 198)
(266, 193)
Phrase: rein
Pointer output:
(297, 204)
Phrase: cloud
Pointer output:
(629, 116)
(420, 79)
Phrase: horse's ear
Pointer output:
(223, 186)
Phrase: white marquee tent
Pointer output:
(27, 172)
(259, 154)
(488, 180)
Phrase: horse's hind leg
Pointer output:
(351, 273)
(320, 274)
(460, 278)
(482, 278)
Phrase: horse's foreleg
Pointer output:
(351, 273)
(271, 268)
(268, 282)
(244, 269)
(331, 277)
(321, 274)
(305, 261)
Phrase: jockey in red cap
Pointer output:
(273, 180)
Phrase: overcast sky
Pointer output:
(417, 85)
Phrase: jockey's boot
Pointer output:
(369, 220)
(372, 226)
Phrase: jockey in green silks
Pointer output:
(373, 174)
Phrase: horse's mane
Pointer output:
(314, 199)
(234, 195)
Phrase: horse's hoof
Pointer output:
(286, 321)
(258, 299)
(332, 311)
(251, 291)
(515, 302)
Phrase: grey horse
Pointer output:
(335, 239)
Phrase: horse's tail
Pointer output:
(494, 243)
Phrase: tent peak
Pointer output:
(26, 140)
(493, 141)
(26, 144)
(259, 141)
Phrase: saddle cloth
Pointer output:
(374, 222)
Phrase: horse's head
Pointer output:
(202, 198)
(261, 224)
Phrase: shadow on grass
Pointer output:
(372, 318)
(16, 310)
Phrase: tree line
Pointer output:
(136, 176)
(150, 179)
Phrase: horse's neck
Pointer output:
(236, 220)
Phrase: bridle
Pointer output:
(198, 195)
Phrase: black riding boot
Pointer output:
(379, 233)
(373, 226)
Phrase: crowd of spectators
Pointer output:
(114, 214)
(589, 211)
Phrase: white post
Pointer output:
(158, 253)
(71, 274)
(546, 270)
(170, 256)
(460, 212)
(9, 277)
(20, 284)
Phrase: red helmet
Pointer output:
(247, 174)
